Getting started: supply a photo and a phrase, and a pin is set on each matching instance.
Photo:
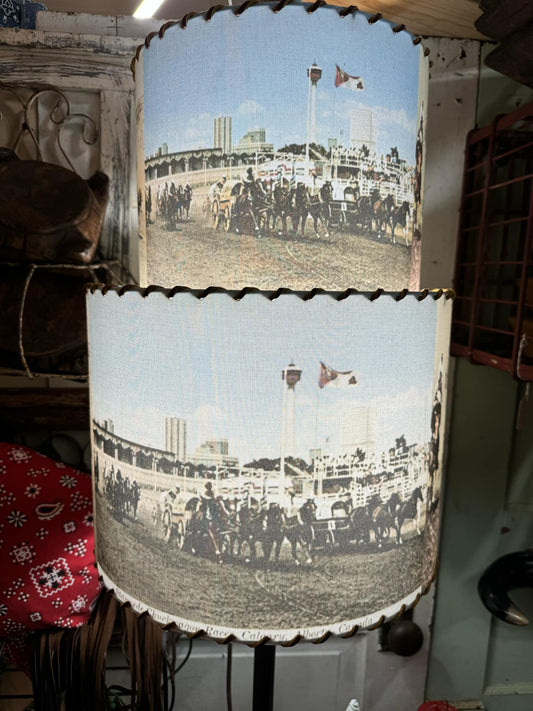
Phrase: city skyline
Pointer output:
(218, 367)
(182, 113)
(360, 441)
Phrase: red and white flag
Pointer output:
(348, 81)
(336, 378)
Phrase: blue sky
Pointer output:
(253, 68)
(217, 363)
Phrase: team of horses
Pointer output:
(289, 205)
(376, 214)
(273, 210)
(174, 204)
(226, 529)
(123, 494)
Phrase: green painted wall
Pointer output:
(487, 510)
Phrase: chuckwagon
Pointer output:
(178, 510)
(329, 533)
(223, 206)
(343, 207)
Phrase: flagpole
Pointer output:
(307, 125)
(283, 429)
(290, 377)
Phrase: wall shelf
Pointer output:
(493, 310)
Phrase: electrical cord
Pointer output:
(229, 666)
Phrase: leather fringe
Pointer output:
(143, 648)
(68, 666)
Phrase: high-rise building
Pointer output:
(214, 452)
(176, 437)
(222, 133)
(363, 129)
(254, 140)
(358, 430)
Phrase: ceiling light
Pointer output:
(147, 8)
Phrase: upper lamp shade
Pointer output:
(280, 147)
(267, 468)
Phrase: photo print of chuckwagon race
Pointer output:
(305, 173)
(286, 472)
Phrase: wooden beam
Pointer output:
(53, 408)
(436, 18)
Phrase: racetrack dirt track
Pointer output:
(334, 587)
(193, 254)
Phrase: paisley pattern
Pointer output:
(48, 577)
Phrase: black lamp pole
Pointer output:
(264, 663)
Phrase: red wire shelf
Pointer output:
(493, 314)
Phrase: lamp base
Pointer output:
(263, 690)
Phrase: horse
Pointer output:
(318, 207)
(185, 200)
(380, 519)
(381, 209)
(364, 212)
(298, 530)
(401, 511)
(262, 207)
(399, 216)
(315, 206)
(171, 208)
(207, 529)
(283, 206)
(361, 525)
(272, 531)
(244, 211)
(249, 529)
(132, 495)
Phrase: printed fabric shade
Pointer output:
(267, 466)
(280, 145)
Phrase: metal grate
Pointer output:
(493, 310)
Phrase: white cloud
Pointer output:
(198, 133)
(250, 107)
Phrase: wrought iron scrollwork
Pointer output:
(26, 100)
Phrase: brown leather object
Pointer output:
(54, 330)
(49, 213)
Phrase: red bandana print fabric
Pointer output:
(48, 576)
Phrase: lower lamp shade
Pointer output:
(267, 467)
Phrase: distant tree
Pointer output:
(395, 156)
(270, 465)
(298, 149)
(318, 149)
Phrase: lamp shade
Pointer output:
(267, 466)
(280, 144)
